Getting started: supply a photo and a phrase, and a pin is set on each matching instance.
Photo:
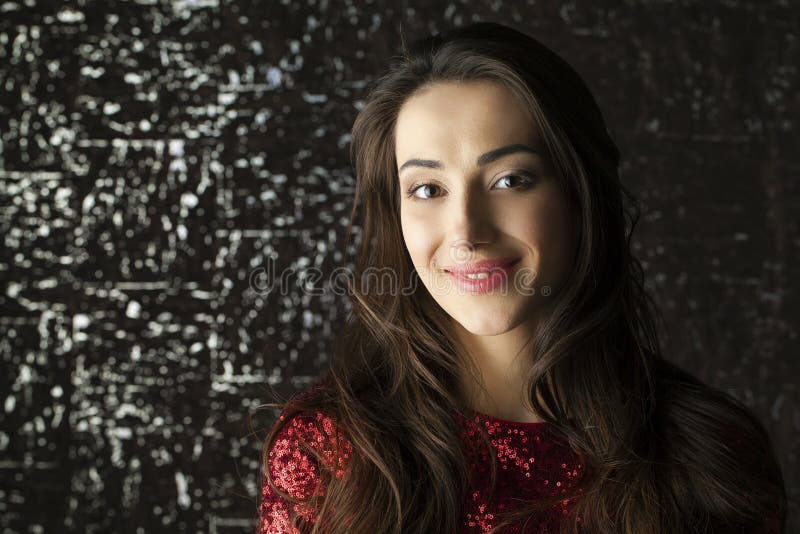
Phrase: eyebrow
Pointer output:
(483, 159)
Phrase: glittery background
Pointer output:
(154, 153)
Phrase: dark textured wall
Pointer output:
(153, 154)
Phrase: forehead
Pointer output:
(455, 120)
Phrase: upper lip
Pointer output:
(481, 266)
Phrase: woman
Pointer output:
(522, 388)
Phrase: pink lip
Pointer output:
(490, 264)
(499, 271)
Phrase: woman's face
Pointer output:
(466, 206)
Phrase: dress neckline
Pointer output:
(527, 424)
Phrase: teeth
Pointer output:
(477, 276)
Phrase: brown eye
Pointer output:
(518, 181)
(523, 180)
(414, 189)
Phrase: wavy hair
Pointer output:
(663, 451)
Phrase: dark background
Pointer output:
(153, 154)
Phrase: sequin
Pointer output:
(533, 461)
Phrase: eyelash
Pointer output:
(528, 180)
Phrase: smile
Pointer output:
(484, 281)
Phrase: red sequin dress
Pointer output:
(533, 460)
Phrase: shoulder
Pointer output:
(699, 412)
(717, 445)
(308, 443)
(307, 450)
(306, 440)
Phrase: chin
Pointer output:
(484, 322)
(486, 328)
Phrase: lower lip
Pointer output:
(479, 286)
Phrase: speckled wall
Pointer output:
(154, 154)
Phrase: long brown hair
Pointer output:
(663, 451)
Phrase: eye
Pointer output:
(523, 180)
(414, 188)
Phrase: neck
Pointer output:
(495, 376)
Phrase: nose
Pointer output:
(471, 223)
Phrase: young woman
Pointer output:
(521, 388)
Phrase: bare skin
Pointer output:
(509, 207)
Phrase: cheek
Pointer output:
(419, 236)
(547, 232)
